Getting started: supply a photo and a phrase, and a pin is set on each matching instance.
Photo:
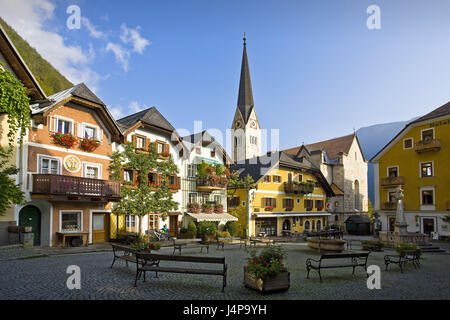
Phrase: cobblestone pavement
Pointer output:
(45, 278)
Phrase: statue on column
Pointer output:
(400, 220)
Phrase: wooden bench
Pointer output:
(405, 256)
(221, 242)
(352, 261)
(255, 240)
(124, 253)
(151, 262)
(178, 244)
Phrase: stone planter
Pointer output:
(327, 245)
(277, 283)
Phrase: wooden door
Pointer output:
(100, 227)
(30, 216)
(428, 226)
(173, 226)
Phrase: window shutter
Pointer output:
(134, 140)
(263, 202)
(284, 203)
(53, 124)
(167, 148)
(122, 175)
(178, 182)
(100, 134)
(80, 130)
(274, 202)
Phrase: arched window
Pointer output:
(307, 225)
(313, 225)
(319, 225)
(357, 207)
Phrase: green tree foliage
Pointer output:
(11, 193)
(192, 229)
(231, 227)
(236, 182)
(142, 199)
(50, 80)
(14, 102)
(205, 228)
(240, 212)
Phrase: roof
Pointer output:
(257, 167)
(205, 138)
(332, 147)
(245, 98)
(14, 59)
(150, 116)
(337, 191)
(436, 113)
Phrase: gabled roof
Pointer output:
(14, 59)
(150, 116)
(204, 138)
(245, 98)
(257, 167)
(436, 113)
(332, 147)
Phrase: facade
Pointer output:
(245, 129)
(290, 195)
(343, 164)
(11, 60)
(203, 148)
(416, 160)
(66, 186)
(141, 129)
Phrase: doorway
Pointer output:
(391, 223)
(173, 225)
(30, 216)
(428, 225)
(100, 227)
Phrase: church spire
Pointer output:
(245, 98)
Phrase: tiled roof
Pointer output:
(149, 116)
(441, 111)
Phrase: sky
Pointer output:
(317, 70)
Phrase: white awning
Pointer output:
(212, 217)
(290, 214)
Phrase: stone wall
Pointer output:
(4, 240)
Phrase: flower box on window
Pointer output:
(154, 185)
(268, 208)
(218, 208)
(194, 207)
(289, 208)
(164, 154)
(64, 139)
(89, 144)
(319, 208)
(309, 208)
(207, 208)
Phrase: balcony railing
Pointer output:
(53, 184)
(302, 188)
(391, 205)
(209, 185)
(392, 181)
(427, 145)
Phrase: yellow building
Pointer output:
(11, 60)
(290, 195)
(418, 161)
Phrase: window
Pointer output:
(71, 221)
(427, 197)
(92, 172)
(128, 175)
(130, 222)
(289, 177)
(90, 132)
(233, 201)
(392, 172)
(426, 169)
(309, 203)
(217, 199)
(288, 203)
(192, 197)
(391, 196)
(277, 179)
(266, 179)
(300, 178)
(49, 166)
(140, 142)
(153, 221)
(307, 225)
(407, 143)
(316, 185)
(269, 202)
(153, 177)
(319, 204)
(298, 200)
(64, 126)
(191, 170)
(428, 135)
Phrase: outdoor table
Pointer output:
(64, 235)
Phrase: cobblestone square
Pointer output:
(45, 278)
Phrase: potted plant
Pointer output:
(89, 144)
(144, 244)
(266, 272)
(218, 208)
(207, 230)
(207, 208)
(193, 207)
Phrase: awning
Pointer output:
(290, 214)
(212, 217)
(198, 160)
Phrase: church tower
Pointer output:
(245, 130)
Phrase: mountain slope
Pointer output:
(48, 77)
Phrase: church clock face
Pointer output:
(253, 124)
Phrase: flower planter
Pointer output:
(327, 245)
(269, 284)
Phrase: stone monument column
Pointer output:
(400, 220)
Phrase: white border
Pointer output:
(394, 166)
(91, 213)
(427, 206)
(85, 164)
(60, 220)
(421, 132)
(432, 169)
(412, 143)
(41, 156)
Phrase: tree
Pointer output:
(142, 198)
(11, 193)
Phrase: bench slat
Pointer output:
(182, 270)
(167, 257)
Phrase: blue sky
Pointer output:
(317, 71)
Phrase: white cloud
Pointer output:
(133, 36)
(30, 19)
(122, 55)
(136, 107)
(116, 112)
(93, 31)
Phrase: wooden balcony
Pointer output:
(75, 188)
(388, 205)
(302, 188)
(392, 181)
(206, 185)
(427, 145)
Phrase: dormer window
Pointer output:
(90, 132)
